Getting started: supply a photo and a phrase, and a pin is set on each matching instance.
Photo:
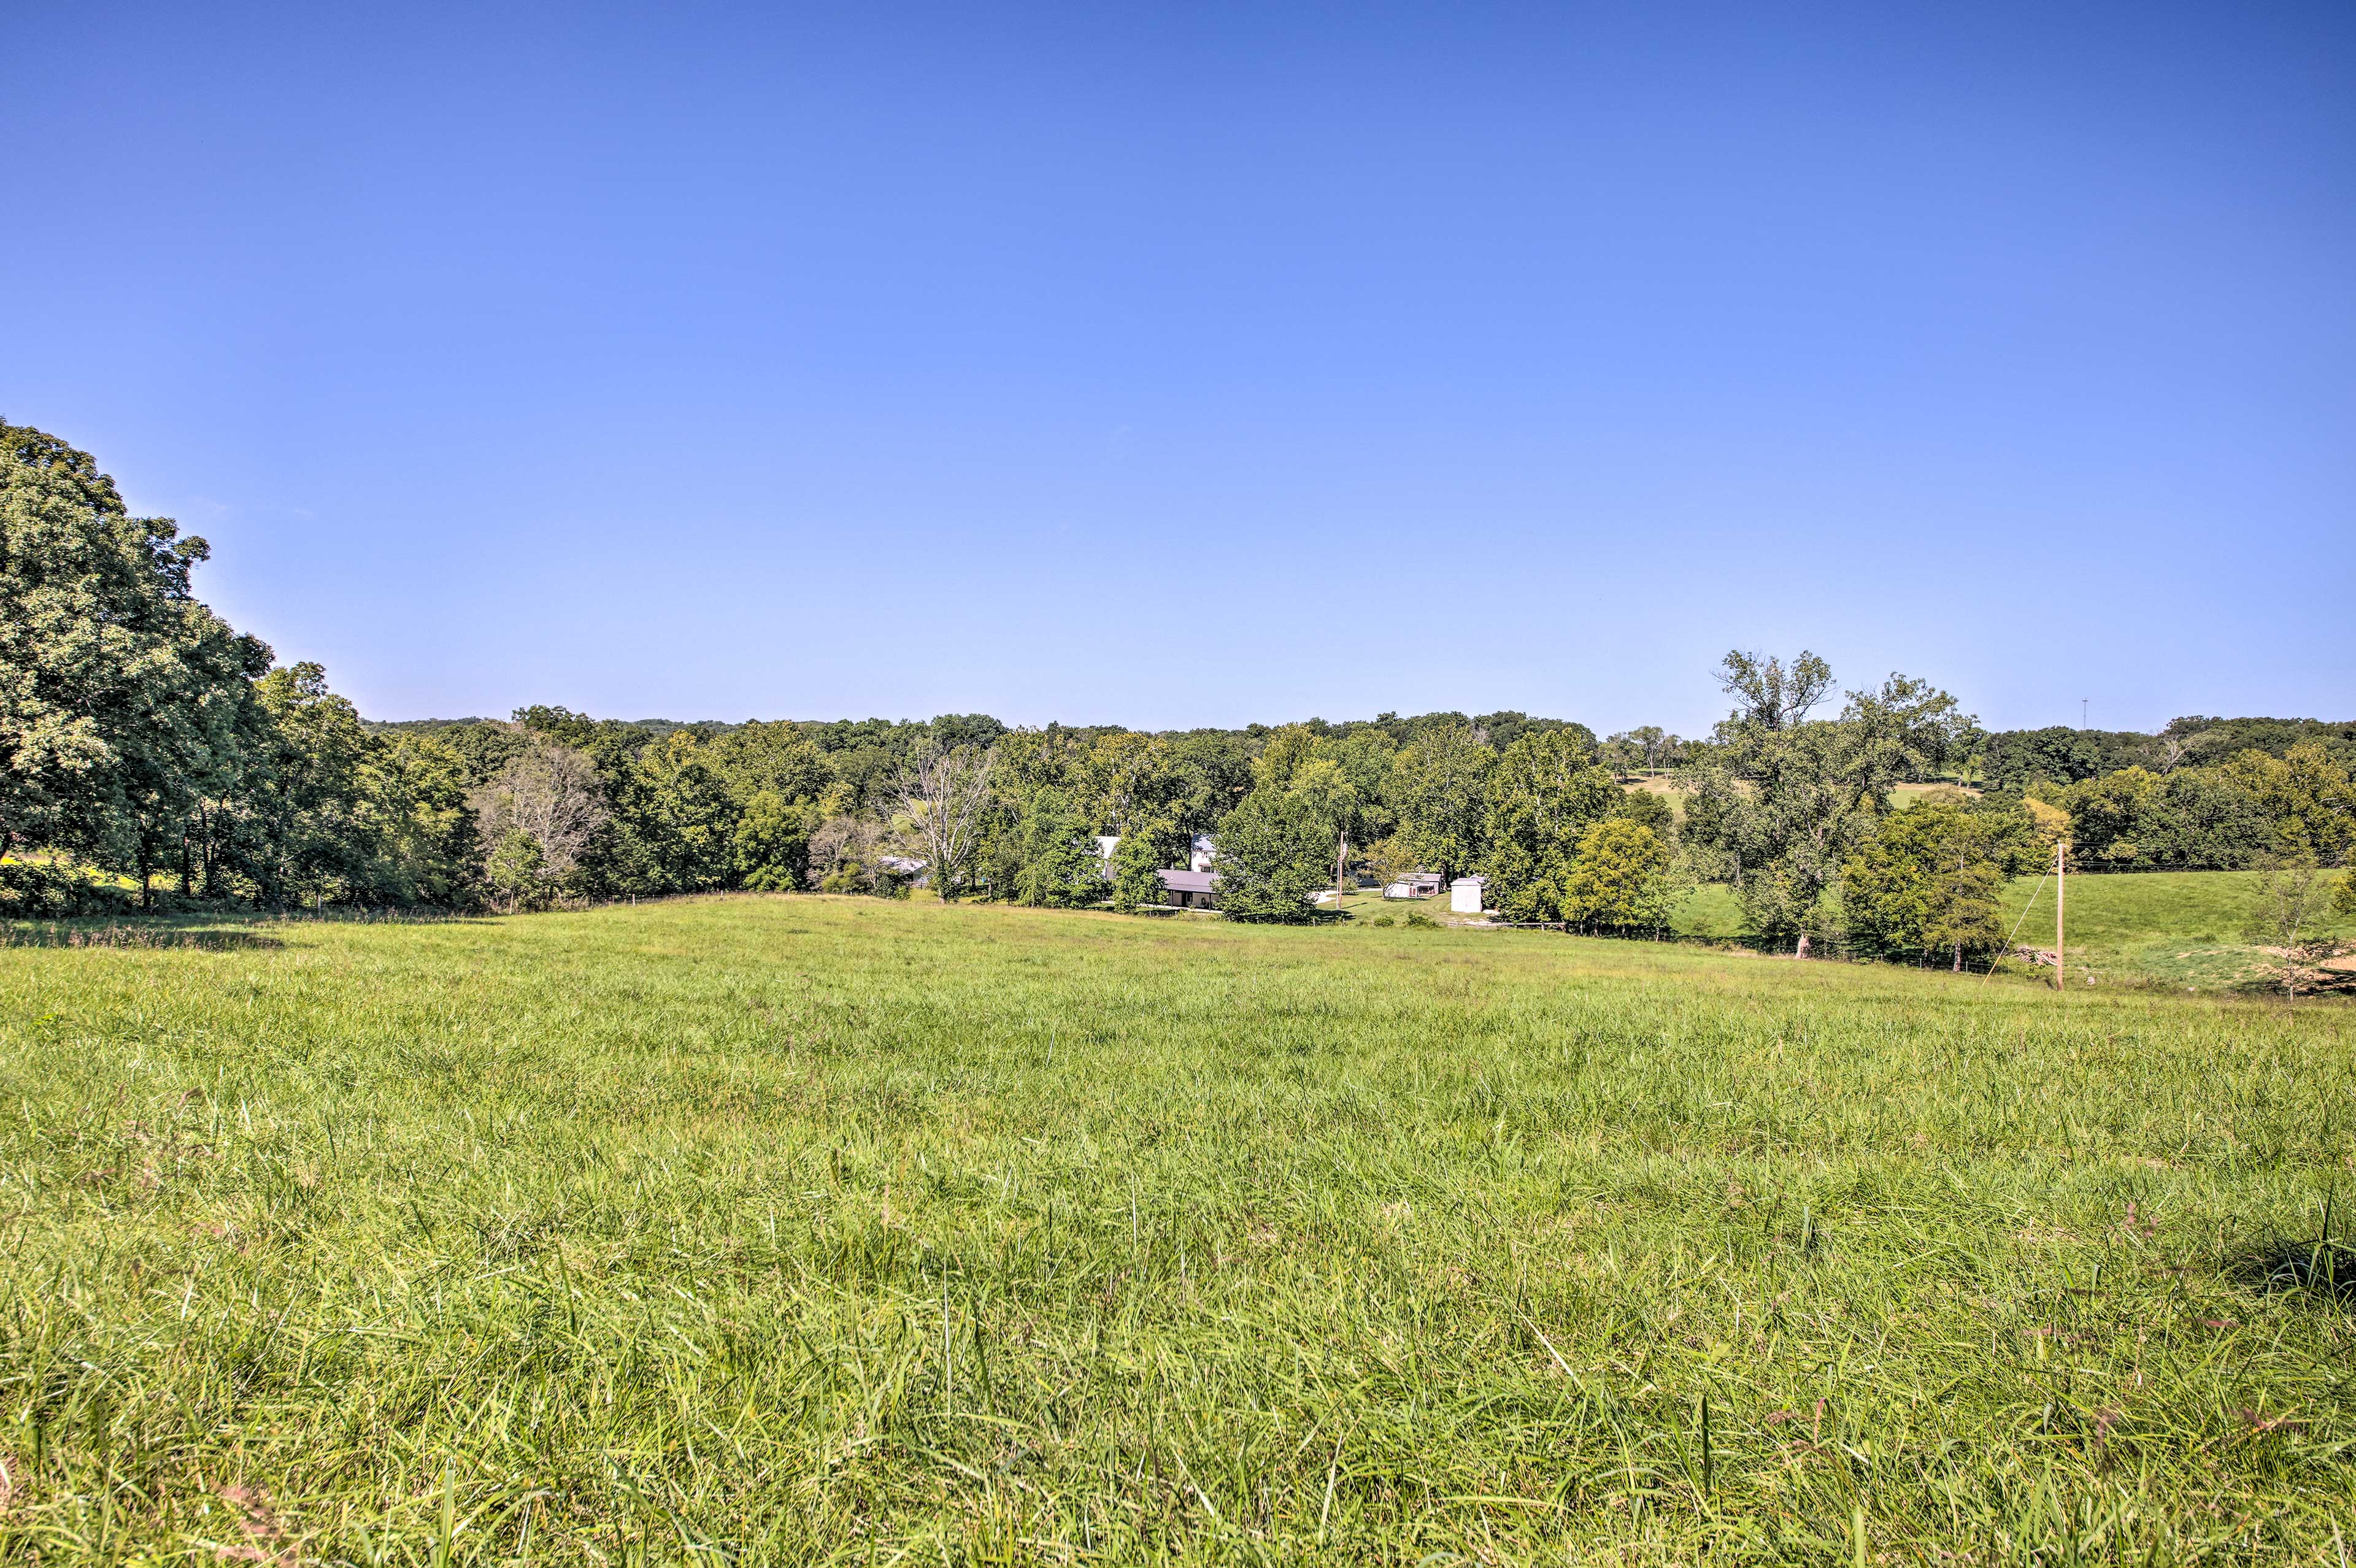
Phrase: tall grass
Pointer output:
(791, 1230)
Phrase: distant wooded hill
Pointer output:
(2015, 758)
(2009, 759)
(1502, 729)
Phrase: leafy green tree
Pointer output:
(1438, 795)
(1653, 810)
(675, 805)
(770, 842)
(517, 871)
(302, 828)
(1336, 781)
(121, 695)
(1214, 771)
(1926, 882)
(1657, 746)
(2114, 815)
(1058, 864)
(412, 808)
(482, 748)
(776, 757)
(1779, 801)
(1546, 790)
(1501, 730)
(1144, 851)
(1275, 855)
(2307, 796)
(1620, 877)
(2250, 810)
(2014, 759)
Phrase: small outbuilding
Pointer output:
(1465, 894)
(1414, 885)
(1190, 889)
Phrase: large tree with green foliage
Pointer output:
(1275, 854)
(1926, 881)
(1621, 877)
(1545, 791)
(1055, 862)
(1308, 785)
(301, 826)
(121, 695)
(1439, 796)
(1781, 800)
(1146, 850)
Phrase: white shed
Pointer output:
(1465, 894)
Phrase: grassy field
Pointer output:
(795, 1229)
(2173, 928)
(2184, 930)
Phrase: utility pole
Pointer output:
(2081, 712)
(2061, 899)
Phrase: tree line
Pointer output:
(155, 756)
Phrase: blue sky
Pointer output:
(1180, 365)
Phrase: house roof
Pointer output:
(1189, 881)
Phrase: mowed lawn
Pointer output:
(795, 1229)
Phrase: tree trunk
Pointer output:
(205, 831)
(1801, 950)
(1959, 957)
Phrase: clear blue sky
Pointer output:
(1089, 362)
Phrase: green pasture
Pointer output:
(792, 1229)
(2184, 929)
(2173, 928)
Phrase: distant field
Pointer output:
(2154, 927)
(792, 1229)
(2171, 928)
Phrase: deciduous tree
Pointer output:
(1926, 881)
(1781, 801)
(1620, 877)
(537, 817)
(945, 794)
(1546, 790)
(121, 695)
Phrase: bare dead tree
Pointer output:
(946, 793)
(549, 794)
(843, 843)
(2174, 749)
